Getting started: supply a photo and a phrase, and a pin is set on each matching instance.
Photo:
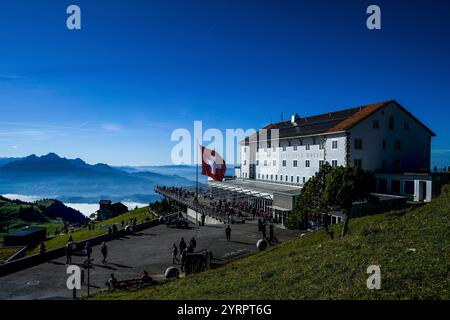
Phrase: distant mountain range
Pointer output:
(67, 180)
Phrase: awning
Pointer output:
(279, 208)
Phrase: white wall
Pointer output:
(413, 142)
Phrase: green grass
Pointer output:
(101, 228)
(314, 267)
(7, 252)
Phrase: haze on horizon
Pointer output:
(115, 91)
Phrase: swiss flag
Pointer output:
(213, 164)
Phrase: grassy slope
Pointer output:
(100, 228)
(314, 267)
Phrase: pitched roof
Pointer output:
(331, 122)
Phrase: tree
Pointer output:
(345, 185)
(311, 203)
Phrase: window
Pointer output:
(409, 187)
(391, 123)
(295, 163)
(267, 177)
(382, 185)
(376, 124)
(274, 149)
(259, 176)
(322, 145)
(334, 163)
(281, 177)
(284, 163)
(358, 144)
(358, 163)
(276, 177)
(298, 179)
(257, 162)
(406, 125)
(274, 163)
(334, 144)
(295, 148)
(304, 180)
(271, 177)
(245, 149)
(396, 164)
(383, 164)
(245, 162)
(287, 178)
(321, 163)
(395, 186)
(384, 145)
(308, 147)
(397, 145)
(265, 163)
(284, 148)
(292, 179)
(307, 163)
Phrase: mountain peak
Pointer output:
(51, 155)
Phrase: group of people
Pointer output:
(262, 228)
(144, 278)
(71, 248)
(183, 249)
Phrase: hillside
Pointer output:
(67, 179)
(16, 214)
(411, 247)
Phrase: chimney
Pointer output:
(295, 118)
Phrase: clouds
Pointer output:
(111, 127)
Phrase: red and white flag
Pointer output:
(213, 164)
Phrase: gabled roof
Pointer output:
(332, 122)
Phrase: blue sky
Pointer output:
(114, 91)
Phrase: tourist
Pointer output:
(145, 278)
(174, 254)
(104, 250)
(183, 259)
(228, 233)
(193, 243)
(42, 248)
(182, 245)
(69, 252)
(112, 282)
(203, 219)
(88, 251)
(263, 229)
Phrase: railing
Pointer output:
(195, 205)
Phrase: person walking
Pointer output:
(228, 232)
(182, 245)
(104, 250)
(174, 254)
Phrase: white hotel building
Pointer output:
(384, 138)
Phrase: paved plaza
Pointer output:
(148, 250)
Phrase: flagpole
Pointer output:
(196, 184)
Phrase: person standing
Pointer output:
(228, 232)
(263, 229)
(69, 252)
(203, 219)
(182, 245)
(183, 260)
(88, 250)
(174, 254)
(193, 243)
(104, 250)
